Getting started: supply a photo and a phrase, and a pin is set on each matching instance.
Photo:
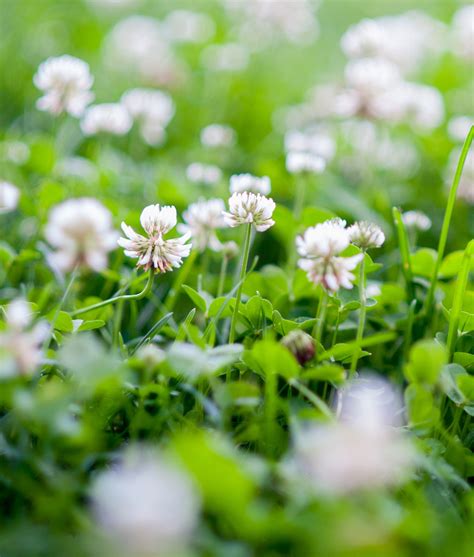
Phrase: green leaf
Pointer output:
(61, 321)
(90, 325)
(270, 357)
(325, 372)
(426, 360)
(423, 262)
(197, 298)
(451, 264)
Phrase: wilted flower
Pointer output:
(319, 247)
(463, 32)
(152, 109)
(110, 118)
(416, 219)
(202, 219)
(366, 235)
(66, 82)
(9, 196)
(185, 26)
(154, 251)
(217, 135)
(247, 182)
(81, 232)
(20, 343)
(145, 504)
(361, 452)
(207, 174)
(250, 208)
(298, 162)
(300, 344)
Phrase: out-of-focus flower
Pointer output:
(20, 343)
(151, 355)
(152, 109)
(416, 219)
(317, 142)
(9, 196)
(77, 167)
(466, 183)
(202, 219)
(15, 151)
(250, 208)
(300, 344)
(154, 251)
(113, 3)
(373, 289)
(298, 162)
(366, 235)
(185, 26)
(319, 247)
(459, 126)
(81, 232)
(207, 174)
(138, 44)
(110, 118)
(363, 451)
(247, 182)
(217, 135)
(463, 32)
(66, 82)
(145, 504)
(228, 57)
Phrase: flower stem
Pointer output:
(446, 222)
(321, 316)
(312, 397)
(361, 325)
(222, 275)
(146, 290)
(243, 270)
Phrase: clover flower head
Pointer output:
(247, 182)
(366, 235)
(331, 272)
(154, 251)
(66, 82)
(250, 208)
(323, 240)
(81, 232)
(110, 118)
(217, 135)
(416, 219)
(298, 162)
(206, 174)
(9, 196)
(317, 141)
(201, 221)
(462, 32)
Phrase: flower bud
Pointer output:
(300, 344)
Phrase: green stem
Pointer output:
(243, 270)
(404, 244)
(124, 297)
(222, 275)
(179, 281)
(270, 413)
(321, 316)
(446, 222)
(312, 397)
(363, 310)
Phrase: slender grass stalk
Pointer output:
(243, 270)
(429, 301)
(125, 297)
(270, 413)
(312, 397)
(362, 314)
(222, 275)
(409, 330)
(404, 244)
(179, 280)
(458, 298)
(321, 316)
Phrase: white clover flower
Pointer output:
(466, 183)
(317, 142)
(247, 182)
(250, 208)
(81, 232)
(370, 77)
(459, 126)
(416, 219)
(217, 135)
(463, 32)
(186, 26)
(202, 219)
(66, 82)
(207, 174)
(323, 240)
(21, 343)
(228, 57)
(154, 251)
(366, 235)
(9, 196)
(16, 151)
(110, 118)
(298, 162)
(363, 451)
(152, 109)
(145, 504)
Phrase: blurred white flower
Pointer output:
(240, 183)
(152, 109)
(16, 151)
(363, 451)
(466, 183)
(20, 343)
(186, 26)
(250, 208)
(459, 126)
(416, 219)
(151, 355)
(81, 232)
(66, 82)
(317, 142)
(200, 173)
(77, 167)
(298, 162)
(463, 32)
(154, 251)
(319, 247)
(228, 57)
(145, 504)
(113, 3)
(201, 221)
(373, 289)
(110, 118)
(366, 235)
(9, 196)
(217, 135)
